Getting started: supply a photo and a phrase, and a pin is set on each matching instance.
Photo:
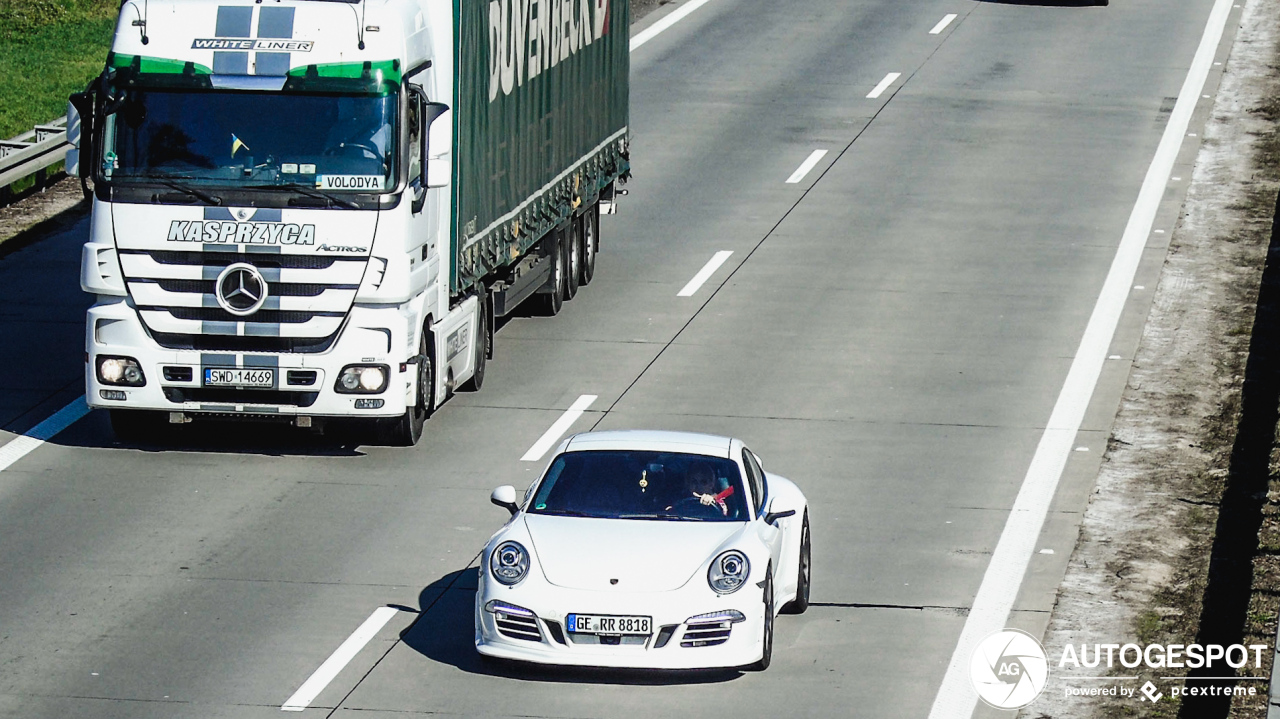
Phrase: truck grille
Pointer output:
(222, 259)
(279, 290)
(308, 296)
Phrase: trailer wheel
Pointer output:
(406, 430)
(483, 345)
(573, 248)
(552, 300)
(590, 243)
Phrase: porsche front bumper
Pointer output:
(531, 626)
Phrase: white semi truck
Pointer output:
(306, 209)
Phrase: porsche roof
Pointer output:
(656, 440)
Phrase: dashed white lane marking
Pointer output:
(1003, 578)
(884, 85)
(943, 23)
(23, 444)
(653, 30)
(557, 430)
(705, 273)
(341, 656)
(805, 166)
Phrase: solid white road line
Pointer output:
(943, 23)
(956, 698)
(705, 273)
(653, 30)
(557, 430)
(884, 85)
(316, 683)
(807, 165)
(23, 444)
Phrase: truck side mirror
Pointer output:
(428, 112)
(431, 112)
(80, 131)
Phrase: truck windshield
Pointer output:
(252, 139)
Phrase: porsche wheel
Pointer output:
(767, 639)
(801, 602)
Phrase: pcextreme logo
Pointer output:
(529, 37)
(1009, 669)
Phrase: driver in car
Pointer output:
(356, 131)
(700, 483)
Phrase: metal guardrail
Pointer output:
(31, 159)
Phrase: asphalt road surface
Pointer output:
(891, 331)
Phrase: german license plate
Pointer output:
(236, 377)
(598, 624)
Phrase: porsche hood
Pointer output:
(642, 555)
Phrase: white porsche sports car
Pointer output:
(663, 550)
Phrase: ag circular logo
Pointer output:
(241, 289)
(1009, 669)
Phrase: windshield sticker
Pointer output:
(348, 182)
(251, 233)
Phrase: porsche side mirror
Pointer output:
(771, 517)
(505, 497)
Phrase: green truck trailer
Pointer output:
(307, 209)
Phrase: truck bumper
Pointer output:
(304, 384)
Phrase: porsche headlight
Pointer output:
(728, 572)
(509, 563)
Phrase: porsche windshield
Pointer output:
(219, 138)
(642, 485)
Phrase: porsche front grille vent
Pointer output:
(553, 628)
(518, 626)
(706, 635)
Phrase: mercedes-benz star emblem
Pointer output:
(241, 289)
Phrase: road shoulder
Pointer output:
(1140, 566)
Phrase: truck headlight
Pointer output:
(362, 379)
(120, 371)
(509, 563)
(728, 572)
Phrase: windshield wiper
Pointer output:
(198, 194)
(309, 192)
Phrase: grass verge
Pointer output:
(48, 50)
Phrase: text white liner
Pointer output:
(341, 656)
(705, 273)
(884, 85)
(956, 698)
(943, 23)
(23, 444)
(806, 166)
(557, 430)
